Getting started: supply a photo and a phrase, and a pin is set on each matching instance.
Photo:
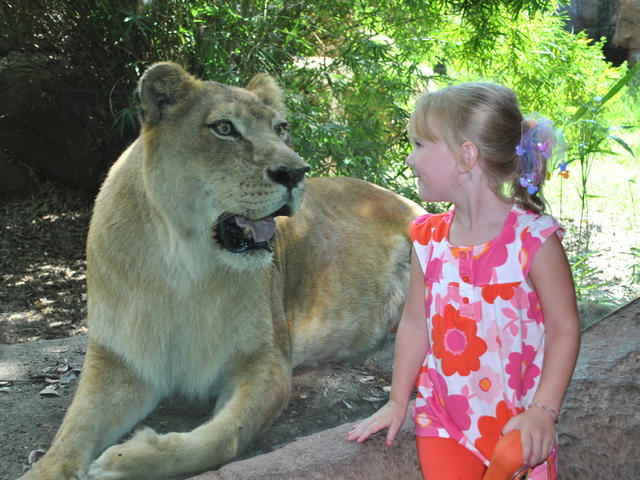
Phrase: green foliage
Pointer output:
(352, 69)
(593, 138)
(583, 274)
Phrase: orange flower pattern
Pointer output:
(483, 318)
(503, 290)
(455, 342)
(490, 427)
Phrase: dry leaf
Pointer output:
(35, 455)
(374, 399)
(67, 378)
(50, 391)
(63, 369)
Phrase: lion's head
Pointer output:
(217, 162)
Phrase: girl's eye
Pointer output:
(224, 128)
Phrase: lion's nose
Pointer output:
(288, 176)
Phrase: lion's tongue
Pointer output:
(261, 230)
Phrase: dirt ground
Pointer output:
(43, 296)
(42, 264)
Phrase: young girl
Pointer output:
(501, 336)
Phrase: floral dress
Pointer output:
(486, 330)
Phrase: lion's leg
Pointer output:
(258, 393)
(110, 400)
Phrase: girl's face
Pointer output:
(436, 169)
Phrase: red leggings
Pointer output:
(446, 459)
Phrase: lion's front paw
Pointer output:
(47, 469)
(138, 458)
(107, 465)
(114, 464)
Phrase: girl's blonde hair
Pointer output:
(487, 115)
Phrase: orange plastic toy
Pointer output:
(506, 459)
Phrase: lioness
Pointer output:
(195, 289)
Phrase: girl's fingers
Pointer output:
(391, 433)
(383, 418)
(526, 448)
(360, 432)
(536, 452)
(541, 449)
(510, 425)
(372, 428)
(550, 448)
(355, 432)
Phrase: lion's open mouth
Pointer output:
(239, 234)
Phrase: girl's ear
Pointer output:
(469, 151)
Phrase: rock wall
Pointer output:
(49, 121)
(327, 455)
(596, 17)
(627, 33)
(617, 20)
(599, 429)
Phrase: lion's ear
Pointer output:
(161, 86)
(265, 87)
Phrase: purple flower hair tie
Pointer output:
(537, 144)
(527, 181)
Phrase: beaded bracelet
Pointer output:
(544, 407)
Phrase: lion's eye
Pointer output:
(281, 130)
(225, 128)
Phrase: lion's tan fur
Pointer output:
(171, 311)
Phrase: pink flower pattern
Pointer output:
(486, 384)
(508, 319)
(446, 411)
(522, 371)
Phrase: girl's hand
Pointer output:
(390, 416)
(537, 433)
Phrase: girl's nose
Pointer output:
(409, 160)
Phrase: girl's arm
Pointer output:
(550, 276)
(410, 351)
